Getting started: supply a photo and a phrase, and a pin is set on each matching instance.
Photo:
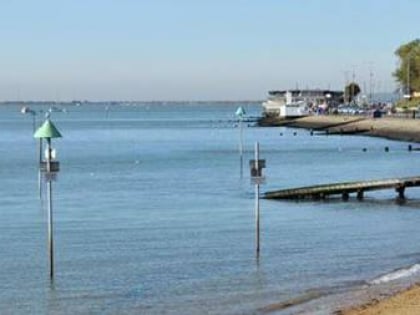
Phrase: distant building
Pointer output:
(298, 103)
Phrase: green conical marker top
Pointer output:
(240, 111)
(47, 130)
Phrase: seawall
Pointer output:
(402, 129)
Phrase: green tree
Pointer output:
(408, 71)
(351, 91)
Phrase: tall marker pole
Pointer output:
(257, 204)
(39, 171)
(257, 178)
(50, 169)
(240, 112)
(241, 146)
(50, 212)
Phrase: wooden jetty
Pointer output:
(318, 192)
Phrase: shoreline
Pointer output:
(402, 302)
(388, 299)
(400, 129)
(397, 297)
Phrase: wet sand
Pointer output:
(403, 129)
(404, 303)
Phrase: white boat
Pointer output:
(286, 105)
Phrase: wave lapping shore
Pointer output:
(403, 129)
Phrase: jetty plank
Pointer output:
(345, 188)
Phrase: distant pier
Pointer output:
(319, 192)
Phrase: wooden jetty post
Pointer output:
(50, 169)
(400, 189)
(345, 196)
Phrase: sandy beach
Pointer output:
(404, 303)
(403, 129)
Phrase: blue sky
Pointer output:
(196, 50)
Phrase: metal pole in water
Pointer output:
(241, 146)
(26, 110)
(39, 170)
(50, 212)
(257, 178)
(257, 218)
(33, 122)
(257, 204)
(50, 169)
(240, 112)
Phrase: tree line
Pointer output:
(408, 71)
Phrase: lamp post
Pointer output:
(26, 110)
(50, 168)
(240, 113)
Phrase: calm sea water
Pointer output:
(153, 217)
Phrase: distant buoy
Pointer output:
(364, 150)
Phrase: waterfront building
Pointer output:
(298, 103)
